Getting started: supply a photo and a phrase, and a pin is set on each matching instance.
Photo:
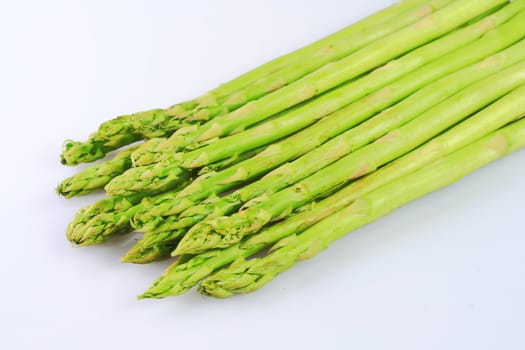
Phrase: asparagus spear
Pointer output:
(152, 248)
(126, 129)
(159, 231)
(96, 176)
(339, 47)
(102, 219)
(138, 254)
(164, 241)
(152, 143)
(228, 162)
(225, 231)
(428, 28)
(245, 276)
(344, 143)
(152, 177)
(119, 132)
(97, 222)
(180, 278)
(316, 109)
(226, 92)
(105, 218)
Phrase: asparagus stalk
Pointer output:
(339, 47)
(228, 162)
(316, 109)
(227, 91)
(97, 222)
(138, 254)
(126, 129)
(180, 278)
(245, 276)
(159, 175)
(160, 231)
(118, 132)
(343, 144)
(224, 231)
(96, 176)
(380, 51)
(152, 143)
(105, 218)
(141, 251)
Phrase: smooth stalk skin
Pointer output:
(339, 46)
(338, 147)
(179, 278)
(107, 217)
(334, 74)
(160, 175)
(317, 54)
(226, 92)
(222, 232)
(96, 176)
(245, 276)
(229, 162)
(126, 129)
(310, 139)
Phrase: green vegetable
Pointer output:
(181, 277)
(126, 129)
(373, 55)
(96, 176)
(105, 218)
(155, 178)
(249, 275)
(224, 231)
(351, 140)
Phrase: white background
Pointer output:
(445, 272)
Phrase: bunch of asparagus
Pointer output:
(244, 181)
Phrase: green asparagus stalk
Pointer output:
(228, 162)
(224, 231)
(181, 277)
(148, 147)
(158, 175)
(152, 143)
(227, 91)
(105, 218)
(160, 231)
(96, 176)
(343, 144)
(141, 251)
(139, 254)
(126, 129)
(97, 222)
(373, 55)
(245, 276)
(339, 47)
(316, 109)
(117, 133)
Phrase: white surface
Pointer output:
(445, 272)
